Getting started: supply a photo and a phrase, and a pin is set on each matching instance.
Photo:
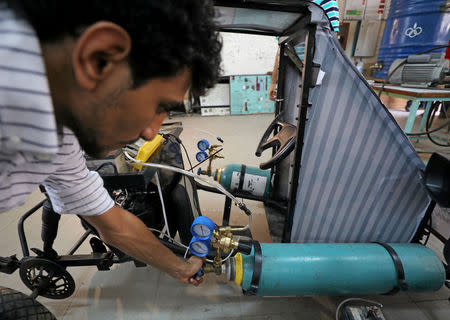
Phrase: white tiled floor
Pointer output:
(127, 292)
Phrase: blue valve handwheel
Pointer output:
(200, 273)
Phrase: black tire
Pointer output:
(15, 305)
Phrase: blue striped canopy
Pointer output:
(360, 178)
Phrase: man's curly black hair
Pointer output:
(167, 35)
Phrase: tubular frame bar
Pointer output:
(21, 231)
(423, 224)
(438, 235)
(226, 212)
(263, 6)
(307, 84)
(279, 103)
(79, 242)
(255, 32)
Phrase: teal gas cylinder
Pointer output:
(296, 269)
(256, 181)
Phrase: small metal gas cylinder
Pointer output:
(243, 178)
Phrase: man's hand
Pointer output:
(126, 232)
(188, 272)
(272, 93)
(274, 78)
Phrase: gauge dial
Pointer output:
(199, 247)
(203, 144)
(200, 156)
(201, 230)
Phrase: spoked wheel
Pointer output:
(47, 278)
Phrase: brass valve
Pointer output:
(212, 153)
(207, 268)
(222, 240)
(225, 232)
(227, 244)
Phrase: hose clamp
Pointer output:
(401, 281)
(257, 268)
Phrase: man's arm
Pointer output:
(126, 232)
(73, 189)
(274, 78)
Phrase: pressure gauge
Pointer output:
(202, 227)
(203, 145)
(201, 231)
(199, 247)
(201, 156)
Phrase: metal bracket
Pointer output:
(290, 52)
(9, 264)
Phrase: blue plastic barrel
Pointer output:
(413, 26)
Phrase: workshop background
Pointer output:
(238, 110)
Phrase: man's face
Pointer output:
(120, 116)
(91, 85)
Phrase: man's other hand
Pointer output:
(127, 233)
(272, 94)
(188, 272)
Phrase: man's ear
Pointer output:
(100, 48)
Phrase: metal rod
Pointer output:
(240, 31)
(226, 212)
(291, 7)
(302, 116)
(291, 53)
(163, 207)
(279, 106)
(438, 235)
(20, 229)
(423, 224)
(79, 242)
(93, 259)
(212, 155)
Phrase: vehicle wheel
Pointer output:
(47, 278)
(15, 305)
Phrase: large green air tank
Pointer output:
(304, 269)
